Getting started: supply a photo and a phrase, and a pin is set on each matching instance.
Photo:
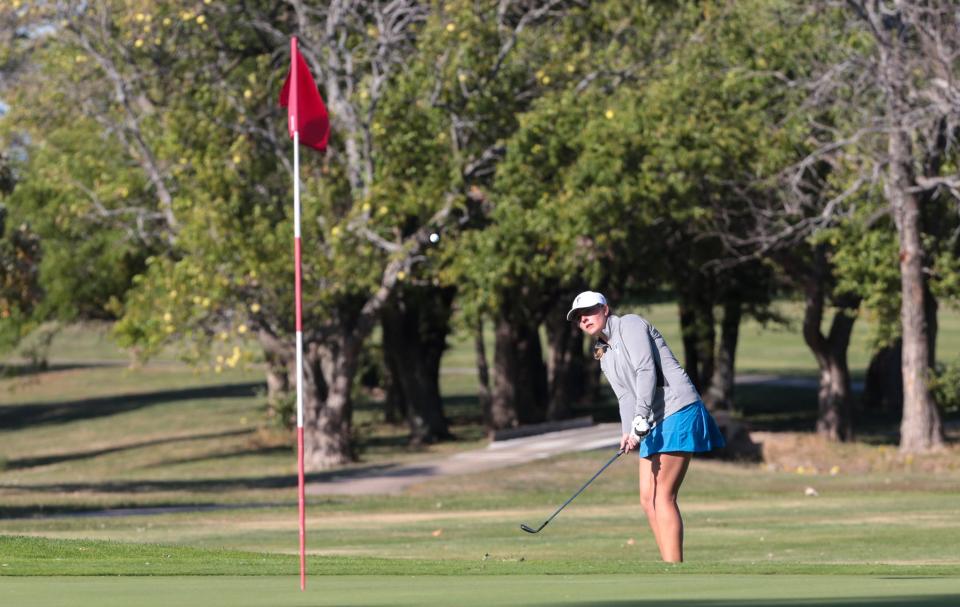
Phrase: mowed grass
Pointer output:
(738, 518)
(696, 590)
(162, 472)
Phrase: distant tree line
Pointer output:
(726, 153)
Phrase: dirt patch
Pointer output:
(809, 453)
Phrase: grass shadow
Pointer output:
(16, 417)
(221, 455)
(59, 458)
(26, 369)
(789, 404)
(396, 441)
(463, 409)
(85, 510)
(776, 405)
(205, 485)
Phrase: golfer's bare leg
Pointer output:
(648, 491)
(668, 472)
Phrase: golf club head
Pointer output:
(528, 529)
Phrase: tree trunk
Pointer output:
(503, 411)
(394, 404)
(519, 375)
(930, 310)
(688, 334)
(566, 365)
(415, 326)
(483, 376)
(720, 393)
(281, 387)
(699, 337)
(921, 428)
(883, 388)
(329, 369)
(834, 410)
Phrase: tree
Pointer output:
(415, 324)
(185, 95)
(865, 264)
(87, 264)
(905, 57)
(79, 110)
(716, 119)
(184, 101)
(782, 195)
(564, 201)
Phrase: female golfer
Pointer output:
(660, 410)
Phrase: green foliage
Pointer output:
(90, 258)
(563, 199)
(866, 262)
(945, 386)
(20, 292)
(946, 275)
(230, 271)
(172, 270)
(604, 176)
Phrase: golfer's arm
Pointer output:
(627, 407)
(637, 341)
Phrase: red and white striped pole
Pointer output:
(294, 112)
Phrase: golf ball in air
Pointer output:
(434, 238)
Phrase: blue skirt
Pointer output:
(690, 430)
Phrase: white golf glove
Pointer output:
(640, 426)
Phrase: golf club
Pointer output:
(529, 529)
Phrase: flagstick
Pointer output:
(297, 295)
(294, 117)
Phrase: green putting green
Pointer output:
(425, 591)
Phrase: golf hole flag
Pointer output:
(306, 113)
(308, 123)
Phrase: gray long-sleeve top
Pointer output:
(643, 372)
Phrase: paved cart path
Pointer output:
(499, 454)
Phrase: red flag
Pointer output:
(305, 110)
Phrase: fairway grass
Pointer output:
(160, 485)
(43, 557)
(695, 590)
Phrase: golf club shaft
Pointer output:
(585, 485)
